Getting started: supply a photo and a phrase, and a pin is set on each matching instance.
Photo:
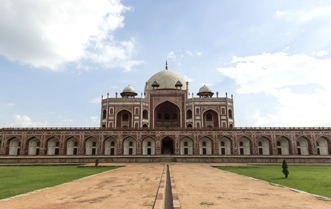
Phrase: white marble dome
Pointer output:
(129, 89)
(167, 79)
(204, 89)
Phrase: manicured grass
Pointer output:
(311, 179)
(15, 180)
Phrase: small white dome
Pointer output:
(204, 89)
(129, 89)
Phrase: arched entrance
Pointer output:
(167, 146)
(167, 114)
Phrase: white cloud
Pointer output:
(94, 119)
(188, 79)
(114, 87)
(65, 119)
(179, 63)
(253, 117)
(96, 100)
(286, 48)
(321, 53)
(198, 53)
(189, 53)
(25, 121)
(305, 16)
(49, 34)
(10, 104)
(172, 55)
(275, 74)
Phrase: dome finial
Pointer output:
(166, 65)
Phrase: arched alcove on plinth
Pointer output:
(167, 114)
(167, 146)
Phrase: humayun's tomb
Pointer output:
(166, 123)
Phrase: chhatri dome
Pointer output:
(166, 79)
(205, 91)
(129, 92)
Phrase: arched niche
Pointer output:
(123, 119)
(189, 114)
(210, 118)
(224, 145)
(53, 146)
(167, 114)
(148, 146)
(244, 146)
(186, 146)
(14, 146)
(129, 146)
(145, 114)
(263, 146)
(34, 146)
(283, 147)
(110, 146)
(205, 146)
(167, 146)
(91, 146)
(302, 146)
(322, 146)
(72, 146)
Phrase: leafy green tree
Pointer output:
(96, 162)
(285, 171)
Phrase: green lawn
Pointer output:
(311, 179)
(15, 180)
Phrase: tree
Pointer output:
(285, 171)
(96, 162)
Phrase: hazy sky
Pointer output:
(58, 57)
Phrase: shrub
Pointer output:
(96, 162)
(285, 171)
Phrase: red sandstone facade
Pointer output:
(166, 121)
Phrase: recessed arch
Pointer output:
(263, 146)
(148, 146)
(210, 118)
(91, 146)
(167, 145)
(104, 114)
(110, 146)
(283, 146)
(186, 146)
(244, 146)
(189, 114)
(205, 146)
(53, 146)
(129, 146)
(303, 145)
(322, 144)
(224, 145)
(72, 144)
(34, 146)
(230, 114)
(145, 114)
(167, 114)
(124, 118)
(14, 146)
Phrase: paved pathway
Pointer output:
(201, 186)
(133, 186)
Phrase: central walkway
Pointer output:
(135, 186)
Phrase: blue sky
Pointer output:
(58, 57)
